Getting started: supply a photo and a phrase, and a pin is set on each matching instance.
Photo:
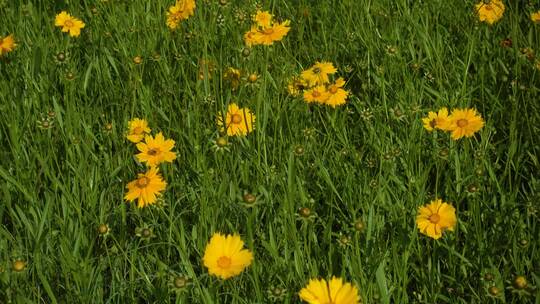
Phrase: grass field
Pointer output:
(334, 191)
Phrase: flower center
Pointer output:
(143, 182)
(316, 94)
(333, 89)
(316, 70)
(224, 262)
(236, 119)
(138, 130)
(433, 123)
(68, 23)
(434, 218)
(269, 31)
(462, 123)
(153, 152)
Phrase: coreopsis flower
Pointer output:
(225, 257)
(137, 129)
(155, 151)
(251, 37)
(296, 85)
(317, 94)
(181, 10)
(464, 122)
(69, 24)
(318, 73)
(265, 31)
(319, 291)
(7, 44)
(434, 218)
(238, 121)
(436, 120)
(336, 94)
(535, 17)
(146, 188)
(490, 11)
(263, 19)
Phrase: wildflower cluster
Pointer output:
(265, 31)
(153, 151)
(460, 123)
(181, 10)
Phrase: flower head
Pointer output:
(434, 218)
(535, 17)
(319, 291)
(137, 129)
(181, 10)
(238, 121)
(296, 85)
(225, 257)
(7, 44)
(269, 35)
(146, 188)
(155, 151)
(464, 122)
(69, 24)
(263, 19)
(318, 73)
(490, 11)
(317, 94)
(436, 120)
(336, 94)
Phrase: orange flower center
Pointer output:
(462, 123)
(316, 94)
(333, 89)
(236, 119)
(434, 218)
(153, 151)
(488, 7)
(224, 262)
(69, 23)
(143, 182)
(138, 130)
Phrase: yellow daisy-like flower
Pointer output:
(296, 85)
(7, 44)
(269, 35)
(434, 218)
(238, 121)
(137, 129)
(436, 120)
(334, 292)
(146, 188)
(225, 257)
(318, 73)
(181, 10)
(263, 19)
(252, 37)
(155, 151)
(464, 122)
(317, 94)
(336, 95)
(535, 17)
(69, 24)
(490, 11)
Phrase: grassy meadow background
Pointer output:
(362, 169)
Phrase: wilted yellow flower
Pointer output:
(69, 24)
(434, 218)
(225, 257)
(146, 188)
(490, 11)
(436, 120)
(535, 17)
(137, 129)
(155, 151)
(319, 291)
(7, 44)
(464, 122)
(181, 10)
(336, 95)
(238, 121)
(233, 75)
(317, 94)
(318, 73)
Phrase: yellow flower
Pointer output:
(336, 95)
(296, 85)
(317, 94)
(464, 122)
(69, 24)
(434, 218)
(267, 36)
(318, 73)
(181, 10)
(225, 257)
(146, 188)
(490, 11)
(252, 37)
(233, 75)
(7, 44)
(436, 120)
(155, 151)
(137, 129)
(334, 292)
(238, 121)
(263, 19)
(535, 17)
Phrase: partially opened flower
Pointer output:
(7, 44)
(238, 121)
(490, 11)
(336, 94)
(69, 24)
(225, 256)
(318, 73)
(436, 120)
(137, 129)
(155, 151)
(146, 188)
(434, 218)
(464, 122)
(319, 291)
